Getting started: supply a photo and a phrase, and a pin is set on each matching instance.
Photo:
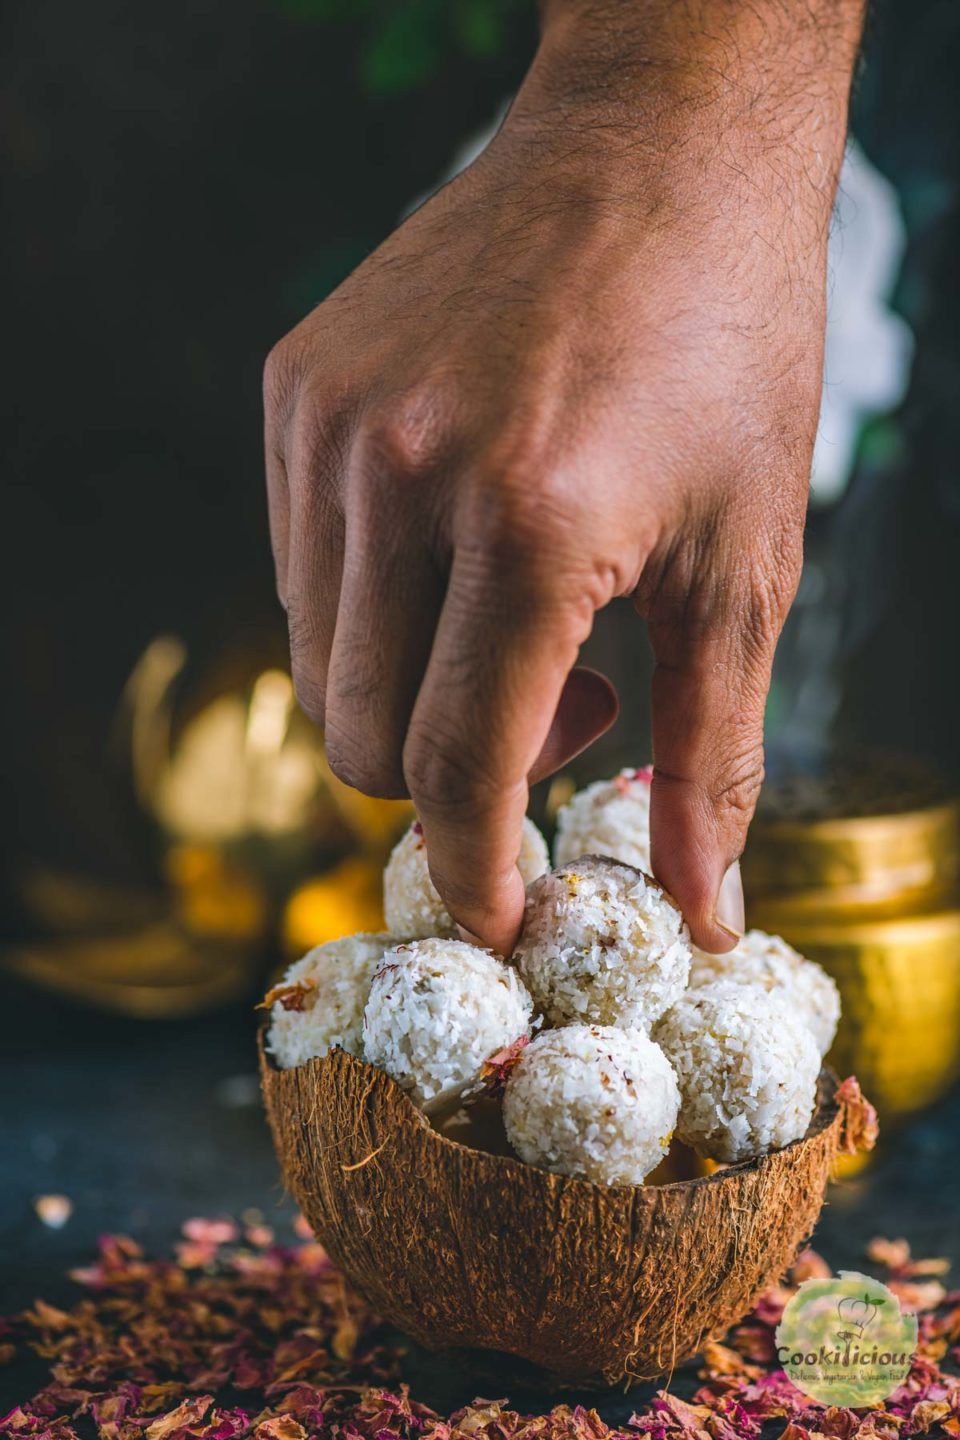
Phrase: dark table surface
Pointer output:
(143, 1124)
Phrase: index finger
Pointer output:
(503, 649)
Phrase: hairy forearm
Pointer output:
(764, 84)
(781, 40)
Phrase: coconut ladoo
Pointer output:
(767, 962)
(437, 1011)
(609, 817)
(319, 1003)
(747, 1067)
(603, 944)
(593, 1101)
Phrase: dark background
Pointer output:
(182, 182)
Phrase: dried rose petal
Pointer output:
(860, 1124)
(210, 1232)
(301, 1227)
(722, 1360)
(626, 778)
(53, 1210)
(495, 1071)
(188, 1412)
(893, 1254)
(926, 1295)
(280, 1427)
(298, 995)
(926, 1414)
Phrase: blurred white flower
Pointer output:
(868, 346)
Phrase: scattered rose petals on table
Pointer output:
(164, 1350)
(895, 1256)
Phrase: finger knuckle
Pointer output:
(522, 509)
(360, 766)
(280, 376)
(759, 616)
(735, 793)
(404, 437)
(442, 777)
(319, 443)
(525, 539)
(762, 604)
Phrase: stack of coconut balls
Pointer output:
(609, 1032)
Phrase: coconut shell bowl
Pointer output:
(459, 1247)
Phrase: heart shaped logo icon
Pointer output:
(855, 1314)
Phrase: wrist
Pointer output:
(720, 81)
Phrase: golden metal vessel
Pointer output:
(859, 871)
(257, 846)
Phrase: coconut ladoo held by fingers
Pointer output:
(603, 944)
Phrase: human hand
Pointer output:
(589, 367)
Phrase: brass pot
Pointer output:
(899, 982)
(859, 872)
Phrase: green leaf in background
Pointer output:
(881, 443)
(480, 26)
(406, 48)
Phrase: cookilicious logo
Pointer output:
(845, 1341)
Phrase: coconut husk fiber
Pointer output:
(458, 1247)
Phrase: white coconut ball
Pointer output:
(438, 1009)
(603, 944)
(610, 817)
(767, 961)
(411, 905)
(320, 1000)
(747, 1066)
(594, 1101)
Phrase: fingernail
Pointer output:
(729, 911)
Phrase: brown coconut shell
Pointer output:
(458, 1247)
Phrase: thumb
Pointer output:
(713, 666)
